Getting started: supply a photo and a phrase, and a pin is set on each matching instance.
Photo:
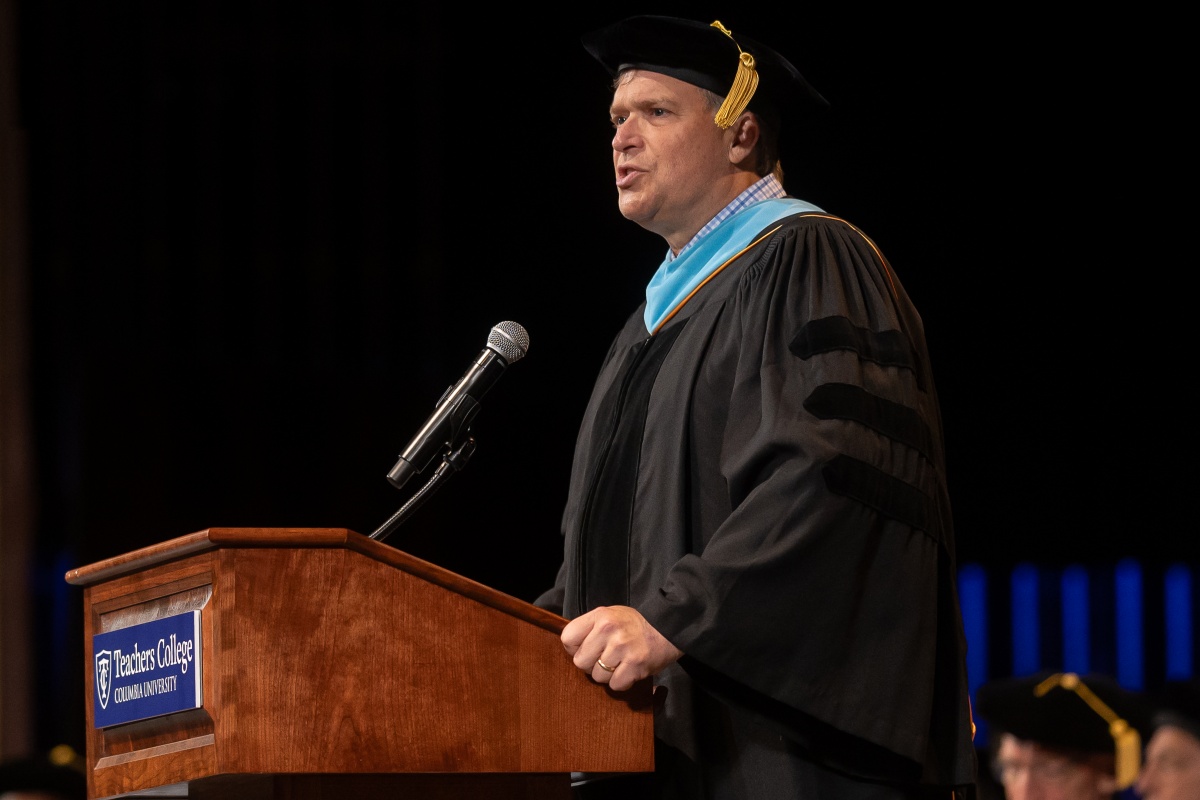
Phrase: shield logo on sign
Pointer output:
(103, 676)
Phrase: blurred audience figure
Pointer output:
(1060, 736)
(1171, 767)
(57, 775)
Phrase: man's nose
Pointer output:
(625, 135)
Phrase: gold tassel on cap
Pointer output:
(745, 82)
(1127, 742)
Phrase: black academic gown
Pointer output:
(764, 480)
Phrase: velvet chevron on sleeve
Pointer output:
(764, 480)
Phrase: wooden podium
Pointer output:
(336, 666)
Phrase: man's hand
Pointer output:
(617, 646)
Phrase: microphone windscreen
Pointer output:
(510, 340)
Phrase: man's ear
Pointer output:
(745, 134)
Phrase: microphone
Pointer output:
(507, 343)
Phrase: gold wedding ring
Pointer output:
(604, 666)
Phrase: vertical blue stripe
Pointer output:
(1076, 630)
(1177, 612)
(62, 603)
(1026, 627)
(1128, 585)
(972, 596)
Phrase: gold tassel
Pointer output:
(1126, 741)
(745, 82)
(1129, 753)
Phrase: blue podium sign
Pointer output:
(147, 670)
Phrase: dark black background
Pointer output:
(265, 237)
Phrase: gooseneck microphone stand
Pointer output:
(448, 429)
(453, 461)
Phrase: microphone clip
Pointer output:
(455, 459)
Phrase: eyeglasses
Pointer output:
(1051, 772)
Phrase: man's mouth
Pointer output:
(626, 176)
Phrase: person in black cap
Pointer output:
(757, 514)
(1171, 770)
(1060, 736)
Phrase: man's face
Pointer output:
(1029, 771)
(1171, 770)
(671, 160)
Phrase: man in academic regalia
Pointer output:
(758, 516)
(1060, 736)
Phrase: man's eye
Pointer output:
(617, 121)
(658, 112)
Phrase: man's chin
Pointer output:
(633, 211)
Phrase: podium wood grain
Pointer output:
(334, 664)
